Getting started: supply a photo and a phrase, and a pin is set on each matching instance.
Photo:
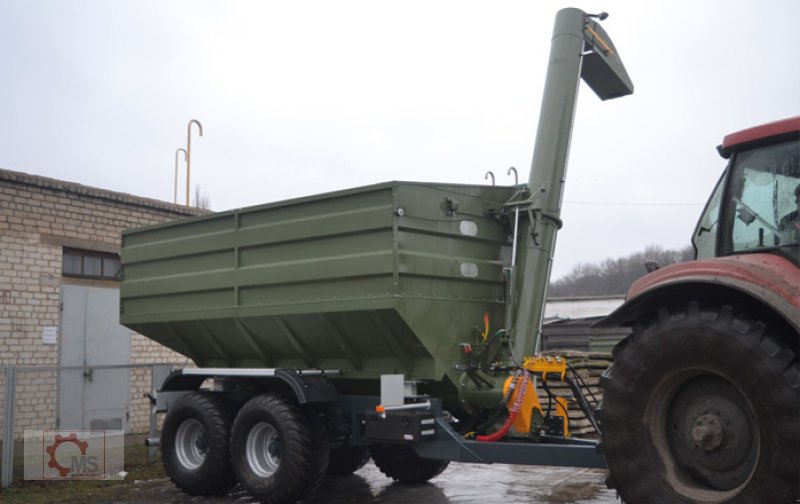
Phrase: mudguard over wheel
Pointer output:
(194, 444)
(402, 464)
(702, 405)
(279, 455)
(346, 460)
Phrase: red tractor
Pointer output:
(702, 403)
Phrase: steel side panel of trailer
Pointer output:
(383, 278)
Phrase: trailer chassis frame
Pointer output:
(313, 387)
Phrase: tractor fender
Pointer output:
(768, 279)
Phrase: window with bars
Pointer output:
(90, 264)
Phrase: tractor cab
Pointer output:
(755, 206)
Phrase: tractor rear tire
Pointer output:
(702, 405)
(403, 465)
(278, 454)
(194, 445)
(346, 460)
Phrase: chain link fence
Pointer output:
(34, 397)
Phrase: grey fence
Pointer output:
(31, 396)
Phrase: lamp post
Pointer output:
(189, 152)
(186, 158)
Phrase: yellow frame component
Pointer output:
(542, 366)
(522, 423)
(563, 412)
(545, 367)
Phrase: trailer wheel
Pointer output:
(346, 460)
(402, 464)
(701, 405)
(277, 453)
(194, 445)
(321, 450)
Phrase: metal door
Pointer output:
(91, 336)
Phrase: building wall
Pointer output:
(581, 307)
(38, 218)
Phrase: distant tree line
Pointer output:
(614, 276)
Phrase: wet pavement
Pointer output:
(459, 484)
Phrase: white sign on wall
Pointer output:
(49, 335)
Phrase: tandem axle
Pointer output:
(419, 423)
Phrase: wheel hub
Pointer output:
(263, 449)
(191, 447)
(707, 432)
(712, 433)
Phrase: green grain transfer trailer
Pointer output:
(382, 279)
(395, 321)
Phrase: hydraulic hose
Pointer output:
(512, 414)
(582, 402)
(502, 408)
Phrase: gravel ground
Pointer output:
(459, 484)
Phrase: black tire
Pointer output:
(321, 454)
(403, 465)
(194, 444)
(346, 460)
(278, 454)
(702, 405)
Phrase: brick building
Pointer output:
(59, 263)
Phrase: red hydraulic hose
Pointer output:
(512, 414)
(500, 434)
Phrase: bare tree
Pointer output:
(201, 199)
(615, 275)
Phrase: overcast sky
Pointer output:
(300, 97)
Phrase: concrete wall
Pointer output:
(38, 218)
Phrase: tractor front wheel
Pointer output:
(701, 406)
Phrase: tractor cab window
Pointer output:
(705, 235)
(762, 210)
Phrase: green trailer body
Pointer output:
(387, 278)
(318, 312)
(383, 279)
